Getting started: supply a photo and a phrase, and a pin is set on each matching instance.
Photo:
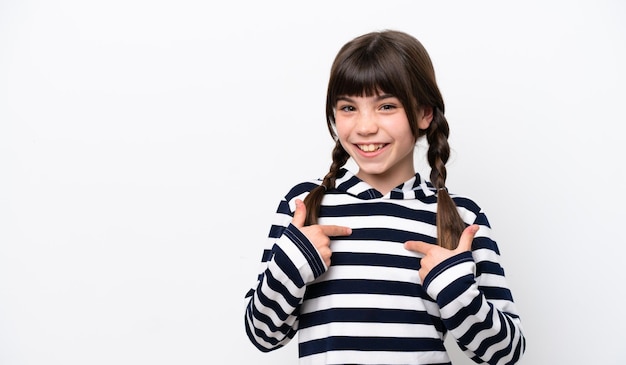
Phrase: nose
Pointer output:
(366, 123)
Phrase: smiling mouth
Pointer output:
(370, 147)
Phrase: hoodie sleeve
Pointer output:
(475, 303)
(289, 262)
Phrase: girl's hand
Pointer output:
(434, 255)
(319, 235)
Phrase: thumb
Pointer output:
(299, 215)
(465, 242)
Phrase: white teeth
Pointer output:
(370, 147)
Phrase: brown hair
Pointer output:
(398, 64)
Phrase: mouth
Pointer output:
(372, 147)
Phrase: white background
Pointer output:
(144, 146)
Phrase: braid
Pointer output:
(438, 150)
(449, 222)
(313, 200)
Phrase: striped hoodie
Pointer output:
(370, 306)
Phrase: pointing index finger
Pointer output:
(333, 230)
(418, 246)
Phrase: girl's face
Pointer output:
(375, 132)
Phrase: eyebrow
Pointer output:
(378, 97)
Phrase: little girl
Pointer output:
(379, 265)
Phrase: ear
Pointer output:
(425, 117)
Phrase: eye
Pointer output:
(346, 108)
(389, 103)
(390, 107)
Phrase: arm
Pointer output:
(475, 303)
(469, 286)
(298, 255)
(287, 264)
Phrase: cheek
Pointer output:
(402, 130)
(342, 130)
(343, 134)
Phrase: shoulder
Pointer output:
(463, 201)
(469, 209)
(302, 189)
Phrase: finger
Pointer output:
(465, 242)
(299, 215)
(418, 246)
(331, 230)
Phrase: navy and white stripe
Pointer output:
(369, 306)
